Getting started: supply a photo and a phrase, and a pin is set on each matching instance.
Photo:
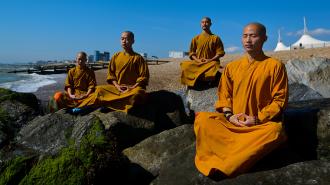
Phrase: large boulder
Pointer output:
(299, 92)
(298, 173)
(16, 110)
(52, 132)
(163, 110)
(153, 151)
(313, 73)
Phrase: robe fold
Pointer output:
(258, 88)
(126, 69)
(203, 46)
(80, 80)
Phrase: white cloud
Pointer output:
(320, 31)
(316, 32)
(232, 49)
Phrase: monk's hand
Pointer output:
(248, 120)
(207, 60)
(72, 96)
(199, 60)
(82, 96)
(235, 119)
(129, 88)
(121, 88)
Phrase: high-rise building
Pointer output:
(97, 55)
(106, 56)
(91, 58)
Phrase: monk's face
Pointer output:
(81, 59)
(126, 41)
(206, 24)
(252, 39)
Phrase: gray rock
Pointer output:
(309, 172)
(153, 151)
(299, 92)
(203, 101)
(180, 169)
(19, 113)
(50, 133)
(47, 134)
(314, 73)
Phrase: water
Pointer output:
(23, 82)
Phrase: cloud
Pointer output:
(232, 49)
(316, 32)
(320, 31)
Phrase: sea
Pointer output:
(24, 82)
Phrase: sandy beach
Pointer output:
(166, 75)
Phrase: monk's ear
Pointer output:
(265, 38)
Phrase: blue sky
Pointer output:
(57, 29)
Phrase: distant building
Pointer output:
(101, 56)
(91, 58)
(106, 56)
(178, 54)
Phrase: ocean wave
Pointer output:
(31, 82)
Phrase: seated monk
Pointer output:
(79, 86)
(205, 52)
(128, 77)
(253, 93)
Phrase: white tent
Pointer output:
(280, 46)
(307, 41)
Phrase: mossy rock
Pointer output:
(28, 99)
(96, 159)
(14, 170)
(4, 117)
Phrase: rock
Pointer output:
(309, 172)
(203, 101)
(153, 151)
(308, 128)
(52, 132)
(163, 110)
(180, 169)
(16, 109)
(299, 92)
(314, 73)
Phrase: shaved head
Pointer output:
(130, 34)
(260, 28)
(207, 18)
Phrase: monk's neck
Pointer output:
(255, 56)
(207, 32)
(129, 51)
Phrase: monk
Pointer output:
(253, 92)
(79, 86)
(128, 76)
(205, 52)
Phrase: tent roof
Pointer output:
(281, 47)
(308, 40)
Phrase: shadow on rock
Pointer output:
(164, 108)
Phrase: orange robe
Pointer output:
(258, 89)
(126, 69)
(203, 46)
(80, 80)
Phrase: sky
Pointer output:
(32, 30)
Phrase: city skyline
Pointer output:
(58, 29)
